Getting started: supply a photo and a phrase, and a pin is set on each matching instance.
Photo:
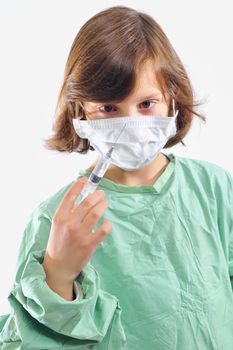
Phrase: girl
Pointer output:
(146, 261)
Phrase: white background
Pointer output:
(35, 39)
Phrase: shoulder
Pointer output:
(39, 220)
(49, 205)
(204, 174)
(202, 167)
(46, 209)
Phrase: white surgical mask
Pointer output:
(140, 142)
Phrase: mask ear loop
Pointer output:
(77, 105)
(175, 113)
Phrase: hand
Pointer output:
(71, 243)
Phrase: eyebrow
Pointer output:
(151, 96)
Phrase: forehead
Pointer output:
(146, 82)
(146, 75)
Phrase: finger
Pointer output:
(102, 232)
(93, 216)
(74, 191)
(87, 205)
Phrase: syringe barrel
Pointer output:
(99, 170)
(94, 178)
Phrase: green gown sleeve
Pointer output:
(41, 319)
(224, 195)
(230, 223)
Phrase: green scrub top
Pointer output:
(162, 279)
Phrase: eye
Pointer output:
(106, 108)
(146, 104)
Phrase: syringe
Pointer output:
(97, 174)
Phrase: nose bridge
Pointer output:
(130, 110)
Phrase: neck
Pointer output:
(145, 176)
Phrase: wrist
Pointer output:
(62, 288)
(56, 282)
(54, 272)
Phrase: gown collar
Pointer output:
(156, 187)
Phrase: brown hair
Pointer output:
(102, 66)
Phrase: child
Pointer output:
(146, 261)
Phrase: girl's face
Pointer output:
(145, 99)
